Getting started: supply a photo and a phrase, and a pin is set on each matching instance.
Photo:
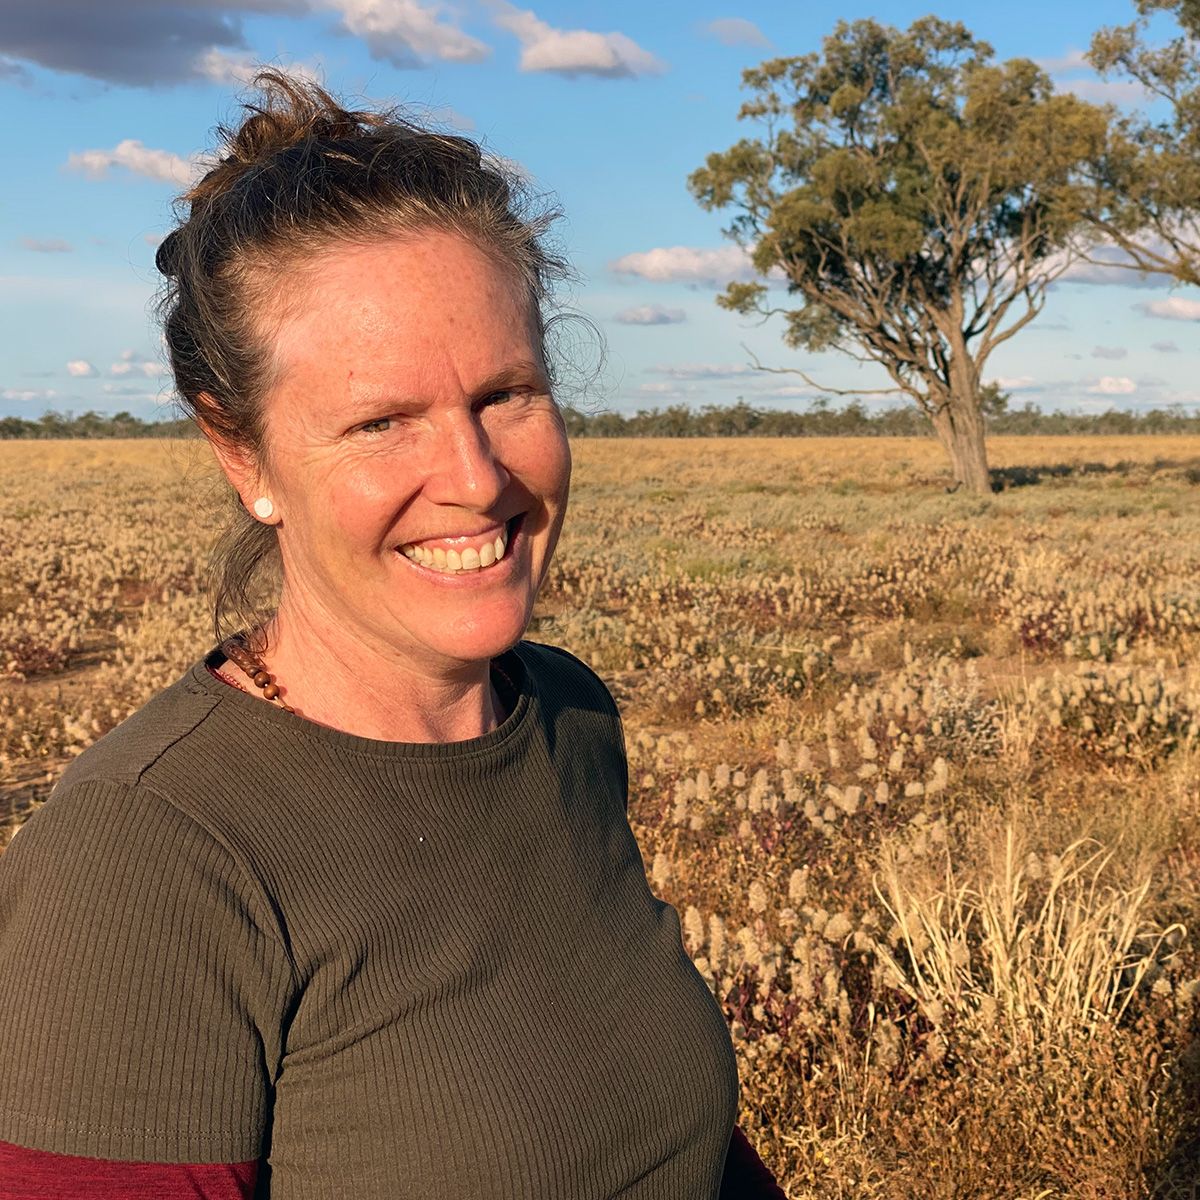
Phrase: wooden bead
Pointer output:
(249, 662)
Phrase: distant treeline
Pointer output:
(854, 420)
(93, 425)
(713, 420)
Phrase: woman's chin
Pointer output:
(481, 639)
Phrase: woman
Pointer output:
(353, 908)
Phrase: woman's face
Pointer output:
(415, 457)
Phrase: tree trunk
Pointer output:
(960, 428)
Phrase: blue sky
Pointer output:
(608, 107)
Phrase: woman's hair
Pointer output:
(298, 175)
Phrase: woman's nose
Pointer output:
(465, 470)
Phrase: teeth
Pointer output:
(452, 561)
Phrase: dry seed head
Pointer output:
(661, 872)
(716, 940)
(838, 928)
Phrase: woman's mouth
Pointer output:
(458, 554)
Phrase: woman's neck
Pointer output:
(374, 691)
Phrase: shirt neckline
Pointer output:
(244, 708)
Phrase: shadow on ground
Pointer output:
(1004, 478)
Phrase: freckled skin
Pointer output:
(388, 424)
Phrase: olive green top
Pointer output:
(385, 969)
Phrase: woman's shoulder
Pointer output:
(564, 677)
(586, 729)
(165, 724)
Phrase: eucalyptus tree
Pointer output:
(1148, 198)
(915, 198)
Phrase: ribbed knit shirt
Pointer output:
(376, 969)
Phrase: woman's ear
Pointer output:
(241, 468)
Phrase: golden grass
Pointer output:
(919, 770)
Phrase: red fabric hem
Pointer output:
(27, 1174)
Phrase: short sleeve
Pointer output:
(576, 683)
(143, 986)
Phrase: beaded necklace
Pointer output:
(242, 656)
(252, 666)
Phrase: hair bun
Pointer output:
(166, 257)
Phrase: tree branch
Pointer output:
(758, 366)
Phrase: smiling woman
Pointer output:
(353, 908)
(417, 474)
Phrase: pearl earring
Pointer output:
(263, 508)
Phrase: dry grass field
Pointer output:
(920, 771)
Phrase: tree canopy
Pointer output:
(1148, 194)
(916, 199)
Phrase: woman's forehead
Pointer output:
(413, 307)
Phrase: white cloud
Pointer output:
(1113, 352)
(666, 389)
(24, 396)
(1113, 385)
(134, 363)
(572, 52)
(217, 66)
(150, 370)
(80, 368)
(130, 390)
(137, 158)
(650, 314)
(784, 391)
(686, 264)
(736, 31)
(1073, 73)
(1072, 60)
(46, 245)
(1015, 383)
(702, 370)
(143, 42)
(405, 32)
(1174, 308)
(1111, 266)
(1126, 92)
(1165, 347)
